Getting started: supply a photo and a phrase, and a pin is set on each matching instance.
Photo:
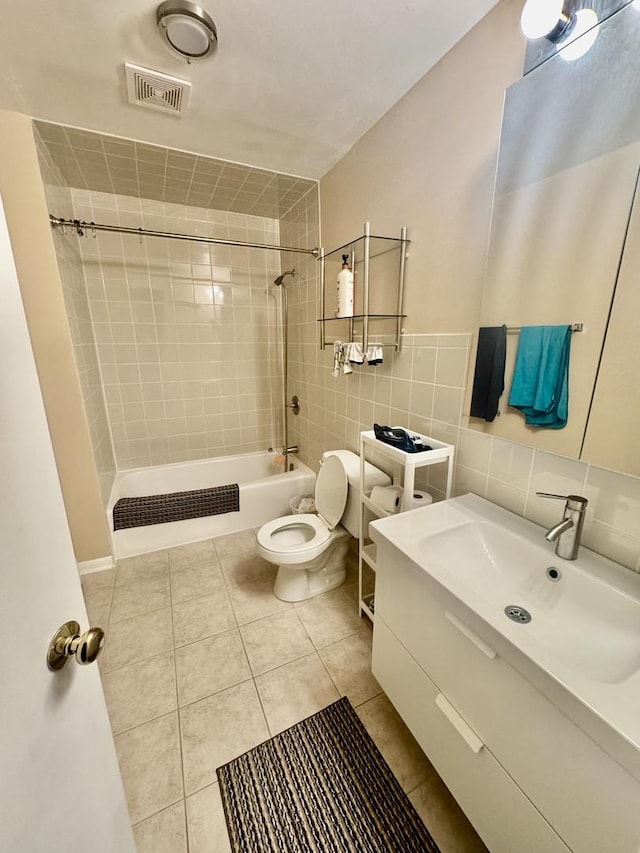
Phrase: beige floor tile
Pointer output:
(98, 606)
(351, 592)
(143, 566)
(274, 641)
(395, 742)
(295, 691)
(138, 597)
(191, 556)
(138, 639)
(351, 565)
(349, 665)
(164, 832)
(210, 666)
(196, 581)
(239, 568)
(202, 617)
(206, 823)
(444, 818)
(149, 758)
(98, 581)
(141, 692)
(255, 600)
(235, 543)
(328, 618)
(217, 729)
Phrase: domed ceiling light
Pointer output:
(582, 38)
(546, 18)
(187, 29)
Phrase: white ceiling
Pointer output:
(293, 85)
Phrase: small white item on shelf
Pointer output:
(375, 355)
(388, 498)
(344, 306)
(355, 353)
(420, 499)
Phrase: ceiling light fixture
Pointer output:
(187, 29)
(546, 18)
(582, 36)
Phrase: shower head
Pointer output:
(280, 280)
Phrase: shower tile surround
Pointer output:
(111, 164)
(187, 334)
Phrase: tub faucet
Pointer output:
(568, 532)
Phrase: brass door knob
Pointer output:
(68, 642)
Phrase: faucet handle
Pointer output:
(576, 502)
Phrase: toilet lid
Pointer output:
(331, 491)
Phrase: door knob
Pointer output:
(68, 642)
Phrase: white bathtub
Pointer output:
(265, 493)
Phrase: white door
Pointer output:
(60, 787)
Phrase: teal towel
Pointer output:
(540, 387)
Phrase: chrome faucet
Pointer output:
(567, 533)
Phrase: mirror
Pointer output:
(564, 239)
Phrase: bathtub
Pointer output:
(265, 492)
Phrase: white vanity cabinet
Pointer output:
(527, 776)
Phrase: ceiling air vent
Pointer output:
(155, 90)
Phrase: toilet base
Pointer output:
(306, 580)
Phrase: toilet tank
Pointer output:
(373, 477)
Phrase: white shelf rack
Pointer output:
(406, 464)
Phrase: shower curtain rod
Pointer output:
(82, 227)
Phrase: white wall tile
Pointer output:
(507, 496)
(474, 450)
(451, 367)
(557, 475)
(511, 463)
(612, 543)
(614, 499)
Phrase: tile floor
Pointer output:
(202, 663)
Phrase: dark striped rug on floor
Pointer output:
(320, 786)
(159, 509)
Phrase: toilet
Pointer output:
(310, 550)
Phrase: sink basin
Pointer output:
(585, 617)
(581, 647)
(574, 613)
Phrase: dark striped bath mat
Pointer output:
(158, 509)
(322, 786)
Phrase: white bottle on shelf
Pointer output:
(344, 307)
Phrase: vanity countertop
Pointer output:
(582, 645)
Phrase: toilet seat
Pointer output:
(298, 539)
(294, 536)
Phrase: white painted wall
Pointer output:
(60, 787)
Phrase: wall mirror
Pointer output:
(565, 239)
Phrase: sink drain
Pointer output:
(518, 614)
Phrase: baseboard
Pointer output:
(89, 566)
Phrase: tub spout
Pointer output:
(292, 449)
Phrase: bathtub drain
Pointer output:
(517, 614)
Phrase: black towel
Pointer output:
(488, 380)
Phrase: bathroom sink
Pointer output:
(583, 634)
(574, 613)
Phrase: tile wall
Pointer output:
(111, 164)
(187, 334)
(423, 386)
(75, 296)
